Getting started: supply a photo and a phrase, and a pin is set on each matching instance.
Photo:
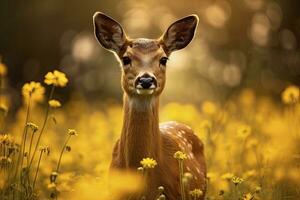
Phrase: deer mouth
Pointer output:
(145, 91)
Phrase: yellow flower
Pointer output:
(6, 139)
(3, 69)
(34, 90)
(3, 108)
(148, 163)
(237, 180)
(162, 197)
(53, 176)
(290, 95)
(33, 126)
(257, 189)
(179, 155)
(72, 132)
(187, 178)
(45, 149)
(209, 107)
(248, 196)
(227, 176)
(4, 161)
(54, 103)
(243, 131)
(196, 193)
(56, 78)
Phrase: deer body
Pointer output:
(143, 80)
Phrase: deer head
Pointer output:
(143, 61)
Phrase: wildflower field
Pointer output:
(53, 151)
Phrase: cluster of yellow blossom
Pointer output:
(243, 131)
(6, 139)
(72, 132)
(179, 155)
(291, 95)
(54, 103)
(237, 180)
(196, 193)
(148, 163)
(33, 126)
(56, 78)
(33, 91)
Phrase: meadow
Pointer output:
(52, 150)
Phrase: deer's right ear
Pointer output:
(109, 32)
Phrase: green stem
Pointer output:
(181, 177)
(43, 127)
(37, 170)
(23, 146)
(62, 151)
(30, 146)
(23, 136)
(188, 191)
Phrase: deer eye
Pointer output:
(163, 61)
(126, 60)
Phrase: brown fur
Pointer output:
(142, 136)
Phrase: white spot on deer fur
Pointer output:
(189, 146)
(188, 168)
(191, 155)
(198, 170)
(188, 127)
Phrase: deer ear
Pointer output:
(109, 32)
(180, 33)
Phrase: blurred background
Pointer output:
(236, 85)
(239, 43)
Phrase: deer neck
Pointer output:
(140, 133)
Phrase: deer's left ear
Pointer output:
(179, 34)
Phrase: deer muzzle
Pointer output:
(145, 84)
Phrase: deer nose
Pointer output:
(146, 82)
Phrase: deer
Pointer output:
(143, 66)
